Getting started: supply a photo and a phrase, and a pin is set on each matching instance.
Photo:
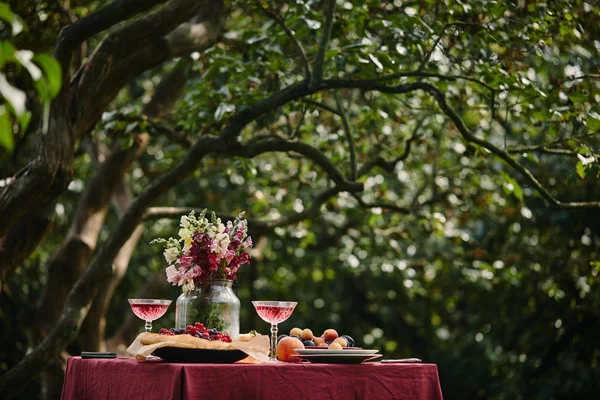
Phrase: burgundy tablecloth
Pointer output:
(126, 378)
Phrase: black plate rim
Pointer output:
(187, 355)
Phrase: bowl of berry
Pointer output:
(195, 344)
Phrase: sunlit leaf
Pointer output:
(6, 134)
(52, 71)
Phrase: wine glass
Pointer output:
(149, 310)
(274, 312)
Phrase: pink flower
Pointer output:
(186, 261)
(229, 256)
(173, 275)
(197, 271)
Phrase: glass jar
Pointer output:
(214, 304)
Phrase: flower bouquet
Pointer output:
(204, 262)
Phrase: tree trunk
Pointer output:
(92, 333)
(34, 189)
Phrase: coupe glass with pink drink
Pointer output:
(274, 312)
(149, 309)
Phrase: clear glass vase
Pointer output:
(214, 304)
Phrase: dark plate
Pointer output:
(344, 348)
(180, 355)
(339, 358)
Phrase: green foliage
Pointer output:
(480, 276)
(43, 70)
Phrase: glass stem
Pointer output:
(273, 343)
(148, 326)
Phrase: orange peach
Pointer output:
(296, 331)
(285, 349)
(307, 334)
(341, 341)
(323, 345)
(319, 340)
(330, 334)
(335, 346)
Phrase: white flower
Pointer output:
(187, 245)
(171, 254)
(185, 234)
(220, 244)
(188, 286)
(185, 222)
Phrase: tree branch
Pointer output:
(524, 171)
(92, 336)
(308, 151)
(254, 225)
(382, 205)
(299, 90)
(100, 269)
(102, 85)
(317, 75)
(442, 32)
(94, 82)
(96, 22)
(321, 105)
(389, 166)
(23, 239)
(546, 147)
(69, 262)
(266, 9)
(349, 138)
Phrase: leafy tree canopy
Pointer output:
(422, 175)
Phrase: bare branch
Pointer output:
(349, 138)
(266, 9)
(325, 36)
